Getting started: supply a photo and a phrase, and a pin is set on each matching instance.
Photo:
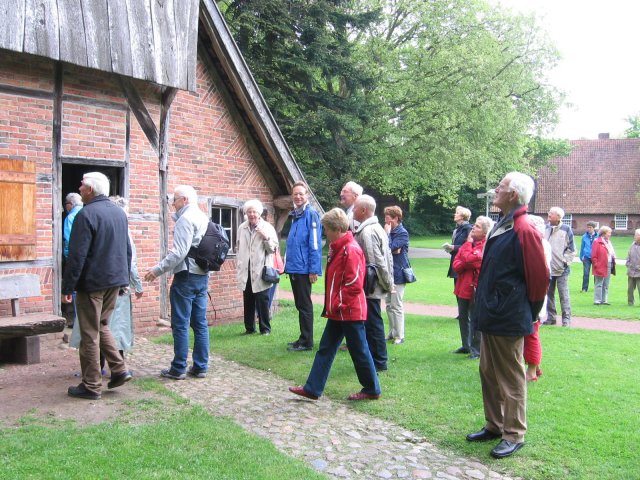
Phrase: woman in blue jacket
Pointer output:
(399, 246)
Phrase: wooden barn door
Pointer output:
(17, 210)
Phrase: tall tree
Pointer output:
(300, 54)
(634, 127)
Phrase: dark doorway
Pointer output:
(72, 176)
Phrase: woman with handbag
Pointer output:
(257, 243)
(402, 272)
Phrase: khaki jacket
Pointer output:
(255, 252)
(374, 242)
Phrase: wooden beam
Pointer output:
(100, 162)
(140, 112)
(56, 214)
(93, 102)
(25, 92)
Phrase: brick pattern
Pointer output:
(206, 150)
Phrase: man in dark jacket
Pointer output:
(511, 289)
(98, 266)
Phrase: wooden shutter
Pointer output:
(17, 210)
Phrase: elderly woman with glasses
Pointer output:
(257, 243)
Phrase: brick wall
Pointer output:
(206, 150)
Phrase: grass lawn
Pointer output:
(154, 438)
(434, 288)
(582, 414)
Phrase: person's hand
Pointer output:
(313, 278)
(67, 298)
(447, 247)
(387, 227)
(139, 294)
(262, 233)
(150, 276)
(397, 251)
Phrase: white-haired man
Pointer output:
(188, 293)
(511, 289)
(563, 250)
(348, 196)
(374, 242)
(98, 266)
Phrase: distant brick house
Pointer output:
(599, 180)
(153, 94)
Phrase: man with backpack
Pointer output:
(188, 293)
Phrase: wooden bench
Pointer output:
(19, 340)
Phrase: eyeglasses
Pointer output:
(174, 199)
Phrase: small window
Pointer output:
(228, 218)
(621, 221)
(567, 219)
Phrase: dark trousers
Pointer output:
(258, 301)
(301, 287)
(586, 273)
(470, 336)
(375, 334)
(333, 334)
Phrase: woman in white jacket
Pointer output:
(257, 243)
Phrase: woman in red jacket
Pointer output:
(345, 308)
(467, 265)
(603, 258)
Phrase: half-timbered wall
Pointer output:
(206, 150)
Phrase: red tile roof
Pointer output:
(598, 176)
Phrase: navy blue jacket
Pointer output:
(399, 239)
(99, 248)
(460, 235)
(513, 280)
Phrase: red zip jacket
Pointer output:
(467, 265)
(344, 297)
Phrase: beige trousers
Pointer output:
(504, 386)
(94, 310)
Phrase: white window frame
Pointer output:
(567, 219)
(621, 221)
(229, 222)
(494, 216)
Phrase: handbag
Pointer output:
(270, 274)
(371, 279)
(409, 276)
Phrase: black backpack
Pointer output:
(212, 251)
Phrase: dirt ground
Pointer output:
(40, 391)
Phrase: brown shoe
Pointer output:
(302, 392)
(362, 396)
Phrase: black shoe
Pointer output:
(549, 322)
(119, 380)
(482, 436)
(473, 356)
(506, 448)
(461, 350)
(381, 369)
(293, 344)
(248, 332)
(265, 333)
(81, 392)
(193, 372)
(299, 348)
(171, 373)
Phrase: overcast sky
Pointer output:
(600, 66)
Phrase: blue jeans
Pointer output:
(332, 336)
(188, 297)
(586, 273)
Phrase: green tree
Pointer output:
(634, 129)
(301, 56)
(463, 85)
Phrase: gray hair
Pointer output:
(522, 184)
(558, 211)
(122, 202)
(98, 182)
(604, 229)
(368, 202)
(354, 187)
(485, 222)
(336, 220)
(465, 212)
(591, 223)
(74, 199)
(187, 191)
(637, 232)
(253, 204)
(538, 222)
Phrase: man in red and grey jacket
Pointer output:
(513, 283)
